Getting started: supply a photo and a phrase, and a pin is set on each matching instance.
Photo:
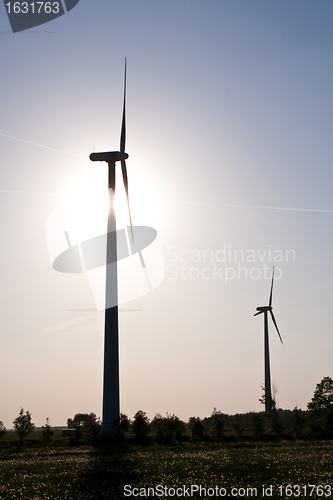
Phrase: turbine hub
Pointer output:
(109, 156)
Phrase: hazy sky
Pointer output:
(229, 110)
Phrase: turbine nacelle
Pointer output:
(263, 309)
(109, 156)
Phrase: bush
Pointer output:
(275, 422)
(217, 424)
(47, 433)
(3, 432)
(196, 427)
(258, 425)
(238, 426)
(140, 425)
(299, 422)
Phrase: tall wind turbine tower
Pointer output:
(111, 410)
(264, 310)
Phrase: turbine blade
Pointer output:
(125, 179)
(123, 124)
(273, 319)
(271, 294)
(260, 312)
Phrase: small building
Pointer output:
(68, 433)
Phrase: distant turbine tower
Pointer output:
(111, 352)
(265, 309)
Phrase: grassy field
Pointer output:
(62, 472)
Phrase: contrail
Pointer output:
(30, 192)
(254, 206)
(67, 153)
(41, 146)
(153, 177)
(160, 179)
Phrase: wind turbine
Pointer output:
(111, 351)
(264, 310)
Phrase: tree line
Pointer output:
(316, 421)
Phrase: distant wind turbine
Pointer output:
(265, 310)
(111, 350)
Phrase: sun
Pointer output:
(87, 205)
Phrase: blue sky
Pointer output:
(229, 103)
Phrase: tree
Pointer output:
(298, 422)
(258, 425)
(124, 425)
(273, 416)
(320, 410)
(322, 396)
(23, 425)
(157, 425)
(237, 426)
(3, 432)
(329, 419)
(92, 429)
(140, 425)
(271, 402)
(217, 424)
(86, 427)
(79, 419)
(173, 426)
(196, 427)
(47, 433)
(167, 427)
(275, 422)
